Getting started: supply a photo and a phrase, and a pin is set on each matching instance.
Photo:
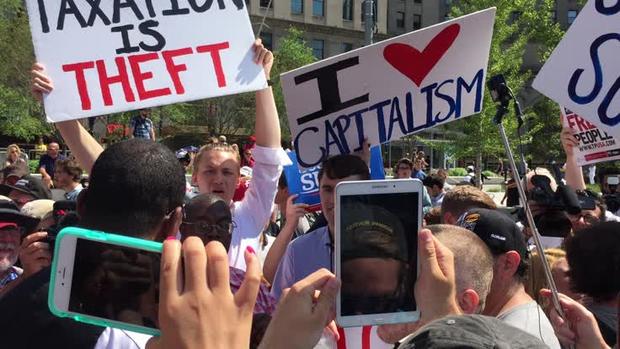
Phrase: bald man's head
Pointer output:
(473, 262)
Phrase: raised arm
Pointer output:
(267, 122)
(82, 144)
(573, 174)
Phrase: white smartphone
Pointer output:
(377, 223)
(106, 280)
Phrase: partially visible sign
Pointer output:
(111, 56)
(305, 182)
(393, 88)
(583, 73)
(595, 143)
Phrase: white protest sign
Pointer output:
(596, 144)
(583, 73)
(390, 89)
(111, 56)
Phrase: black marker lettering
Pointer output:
(124, 30)
(66, 7)
(175, 10)
(145, 28)
(43, 17)
(95, 11)
(119, 4)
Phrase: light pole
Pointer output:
(370, 22)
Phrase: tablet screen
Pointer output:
(378, 252)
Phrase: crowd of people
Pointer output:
(243, 265)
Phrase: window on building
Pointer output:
(417, 22)
(417, 1)
(374, 10)
(267, 39)
(318, 48)
(572, 14)
(297, 7)
(266, 3)
(347, 10)
(347, 46)
(400, 19)
(318, 8)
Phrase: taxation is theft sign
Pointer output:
(112, 56)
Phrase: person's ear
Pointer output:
(448, 218)
(511, 261)
(469, 301)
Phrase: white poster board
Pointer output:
(583, 72)
(596, 143)
(390, 89)
(112, 56)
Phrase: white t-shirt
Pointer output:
(530, 318)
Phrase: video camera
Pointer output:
(553, 206)
(65, 215)
(612, 197)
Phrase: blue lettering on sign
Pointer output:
(607, 10)
(598, 83)
(398, 116)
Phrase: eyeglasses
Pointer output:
(587, 218)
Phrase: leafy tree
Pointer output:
(517, 24)
(19, 112)
(293, 52)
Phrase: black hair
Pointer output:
(133, 185)
(434, 179)
(344, 165)
(594, 261)
(282, 183)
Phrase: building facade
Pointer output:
(330, 27)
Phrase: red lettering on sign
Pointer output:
(214, 50)
(139, 76)
(174, 69)
(105, 81)
(79, 68)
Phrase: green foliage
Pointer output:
(33, 165)
(457, 172)
(19, 112)
(489, 173)
(293, 52)
(517, 22)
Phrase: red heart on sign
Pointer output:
(415, 64)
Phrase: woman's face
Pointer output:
(13, 153)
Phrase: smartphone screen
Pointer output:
(378, 252)
(115, 282)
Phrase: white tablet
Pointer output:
(377, 224)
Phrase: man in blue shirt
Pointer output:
(141, 126)
(47, 163)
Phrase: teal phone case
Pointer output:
(114, 239)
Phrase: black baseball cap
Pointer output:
(11, 215)
(471, 331)
(29, 185)
(498, 231)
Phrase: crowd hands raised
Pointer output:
(220, 283)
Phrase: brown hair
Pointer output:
(463, 198)
(70, 167)
(536, 279)
(216, 146)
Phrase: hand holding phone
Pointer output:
(223, 319)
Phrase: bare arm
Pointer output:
(293, 213)
(83, 146)
(267, 125)
(152, 134)
(574, 175)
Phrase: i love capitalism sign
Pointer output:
(388, 90)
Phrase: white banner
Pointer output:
(111, 56)
(583, 73)
(390, 89)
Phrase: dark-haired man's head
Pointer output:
(334, 170)
(461, 199)
(134, 185)
(594, 261)
(403, 168)
(208, 217)
(434, 183)
(67, 174)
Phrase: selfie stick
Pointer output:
(502, 94)
(262, 22)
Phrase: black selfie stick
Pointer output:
(502, 96)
